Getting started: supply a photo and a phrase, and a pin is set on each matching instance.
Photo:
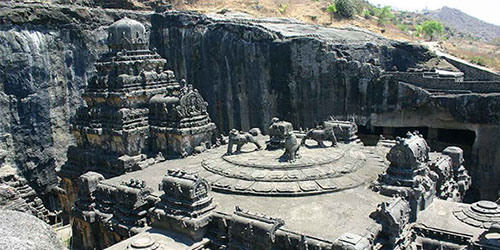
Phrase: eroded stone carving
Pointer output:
(239, 139)
(292, 147)
(344, 130)
(185, 204)
(16, 194)
(252, 231)
(320, 135)
(277, 131)
(394, 216)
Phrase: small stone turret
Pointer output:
(408, 170)
(408, 175)
(185, 205)
(460, 174)
(127, 34)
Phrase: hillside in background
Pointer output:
(464, 36)
(462, 22)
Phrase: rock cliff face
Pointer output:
(251, 70)
(47, 56)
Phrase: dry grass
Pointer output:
(477, 52)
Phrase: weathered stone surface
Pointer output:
(250, 70)
(24, 231)
(16, 194)
(299, 72)
(47, 57)
(267, 172)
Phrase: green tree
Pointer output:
(374, 11)
(385, 15)
(418, 30)
(432, 29)
(346, 8)
(331, 9)
(403, 27)
(359, 6)
(367, 14)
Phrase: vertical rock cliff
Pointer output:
(252, 69)
(47, 56)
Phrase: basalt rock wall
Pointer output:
(47, 55)
(251, 70)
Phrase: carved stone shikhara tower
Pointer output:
(136, 112)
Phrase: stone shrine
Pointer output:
(185, 205)
(136, 112)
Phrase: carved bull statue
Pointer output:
(292, 147)
(239, 139)
(320, 135)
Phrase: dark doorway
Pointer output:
(456, 136)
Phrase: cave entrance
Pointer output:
(437, 138)
(371, 135)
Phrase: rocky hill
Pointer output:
(462, 22)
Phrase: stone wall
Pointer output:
(251, 70)
(446, 84)
(473, 72)
(47, 56)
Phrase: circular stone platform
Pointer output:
(480, 214)
(318, 170)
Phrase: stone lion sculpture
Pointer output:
(292, 147)
(320, 135)
(239, 139)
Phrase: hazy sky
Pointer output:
(486, 10)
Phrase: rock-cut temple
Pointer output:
(151, 171)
